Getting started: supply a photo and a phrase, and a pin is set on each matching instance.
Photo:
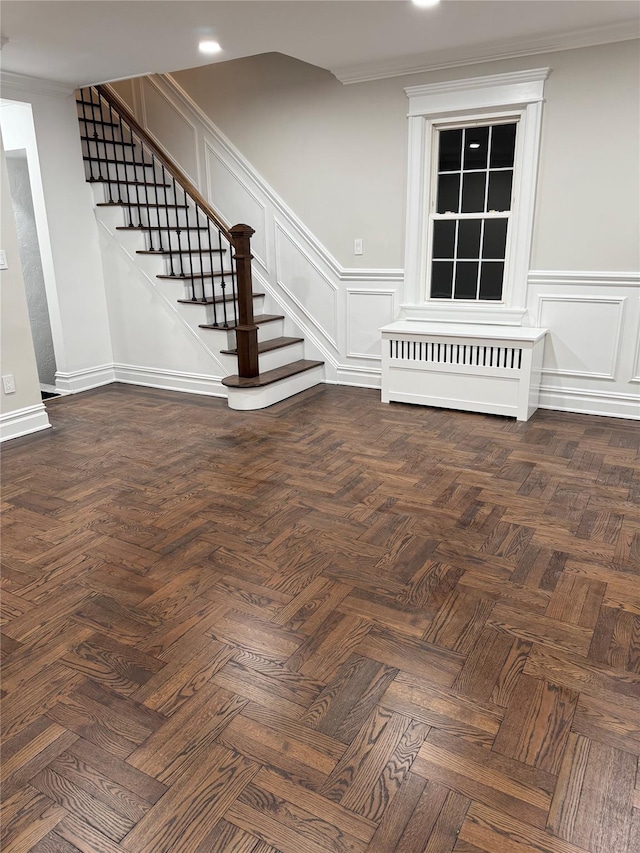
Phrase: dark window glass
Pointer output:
(499, 197)
(441, 279)
(444, 238)
(503, 145)
(473, 186)
(448, 192)
(495, 238)
(466, 279)
(476, 145)
(450, 150)
(491, 276)
(469, 238)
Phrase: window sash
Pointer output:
(434, 216)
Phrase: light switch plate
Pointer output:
(3, 260)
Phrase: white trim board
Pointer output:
(514, 95)
(23, 422)
(169, 380)
(85, 379)
(589, 402)
(424, 62)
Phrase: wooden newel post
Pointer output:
(246, 330)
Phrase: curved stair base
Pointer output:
(273, 386)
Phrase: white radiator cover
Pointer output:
(477, 368)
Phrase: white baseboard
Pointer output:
(358, 377)
(83, 380)
(23, 421)
(169, 380)
(590, 402)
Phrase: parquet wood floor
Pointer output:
(333, 626)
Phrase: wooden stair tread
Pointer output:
(99, 121)
(271, 376)
(107, 141)
(120, 182)
(195, 275)
(258, 319)
(268, 346)
(161, 227)
(140, 204)
(209, 301)
(168, 252)
(98, 160)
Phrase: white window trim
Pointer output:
(475, 98)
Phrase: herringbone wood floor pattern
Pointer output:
(332, 627)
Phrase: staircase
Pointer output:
(196, 248)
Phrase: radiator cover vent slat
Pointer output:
(473, 355)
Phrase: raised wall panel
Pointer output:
(236, 202)
(167, 124)
(584, 335)
(312, 291)
(367, 312)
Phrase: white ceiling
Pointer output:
(90, 41)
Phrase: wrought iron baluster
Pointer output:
(213, 281)
(223, 285)
(89, 141)
(115, 152)
(83, 98)
(199, 235)
(155, 190)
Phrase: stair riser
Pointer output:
(280, 357)
(101, 149)
(123, 172)
(197, 264)
(158, 194)
(157, 218)
(258, 308)
(105, 132)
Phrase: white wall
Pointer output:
(21, 412)
(32, 273)
(337, 154)
(312, 164)
(72, 263)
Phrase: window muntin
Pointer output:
(469, 220)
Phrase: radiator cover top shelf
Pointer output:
(478, 368)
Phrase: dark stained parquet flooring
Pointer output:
(333, 626)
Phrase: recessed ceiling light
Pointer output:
(209, 47)
(425, 4)
(474, 145)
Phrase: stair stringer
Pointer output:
(142, 316)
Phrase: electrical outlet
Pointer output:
(3, 260)
(357, 246)
(9, 384)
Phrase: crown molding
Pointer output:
(12, 83)
(437, 60)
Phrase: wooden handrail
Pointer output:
(116, 101)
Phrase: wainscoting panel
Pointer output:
(237, 203)
(313, 292)
(571, 352)
(592, 354)
(169, 127)
(366, 341)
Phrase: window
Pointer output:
(473, 152)
(470, 210)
